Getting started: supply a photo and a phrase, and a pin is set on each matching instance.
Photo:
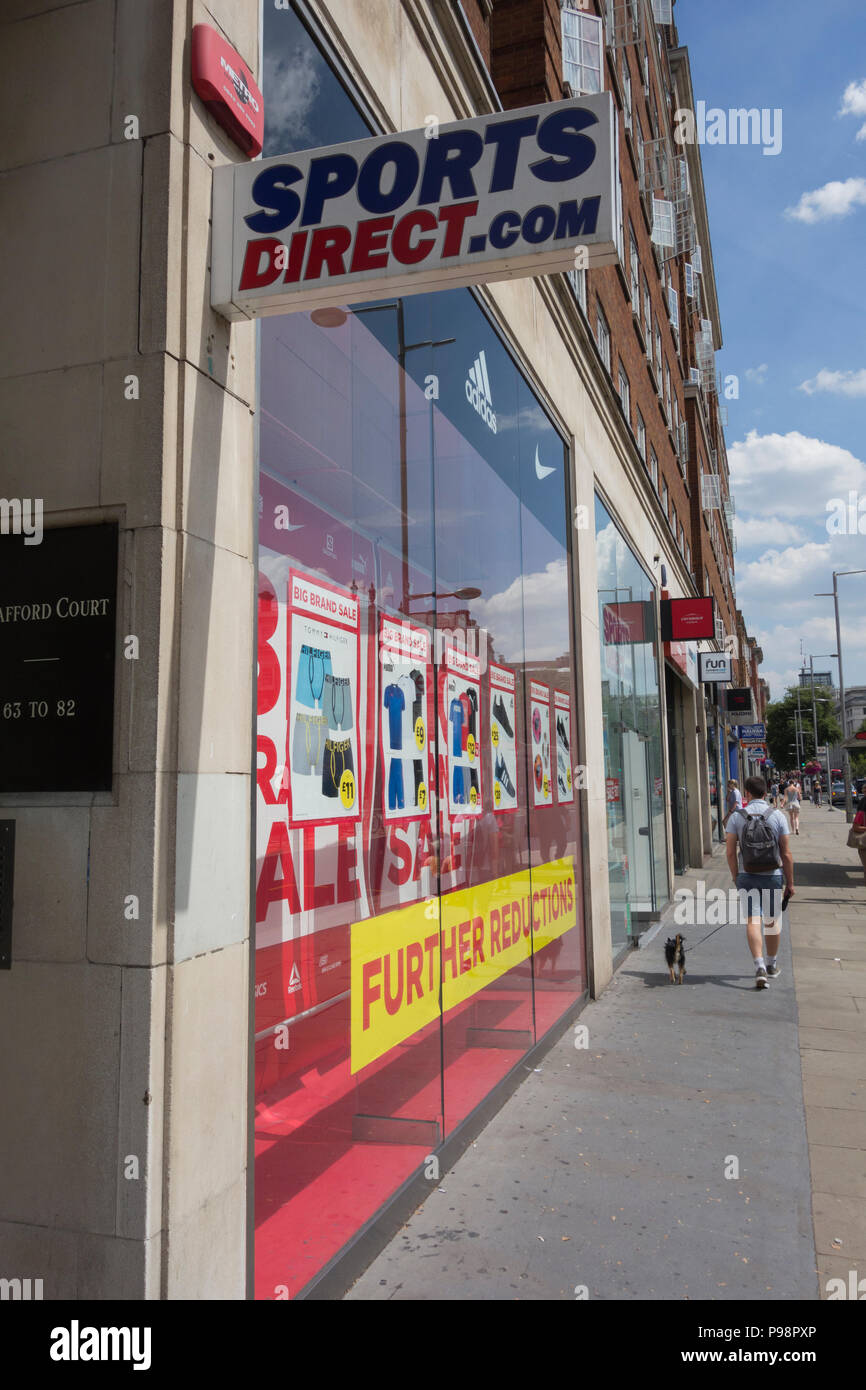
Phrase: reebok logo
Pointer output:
(294, 980)
(478, 390)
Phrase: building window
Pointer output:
(665, 502)
(654, 468)
(582, 52)
(688, 557)
(667, 391)
(682, 540)
(664, 229)
(626, 94)
(634, 266)
(641, 436)
(624, 392)
(659, 354)
(602, 336)
(674, 309)
(577, 279)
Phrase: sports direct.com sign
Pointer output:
(490, 198)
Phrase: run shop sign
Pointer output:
(491, 198)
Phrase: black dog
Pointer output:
(675, 956)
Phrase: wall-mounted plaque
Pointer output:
(58, 615)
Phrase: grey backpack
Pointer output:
(758, 843)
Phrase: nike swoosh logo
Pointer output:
(540, 471)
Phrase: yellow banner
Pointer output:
(400, 960)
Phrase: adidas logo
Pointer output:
(478, 390)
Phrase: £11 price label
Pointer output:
(347, 789)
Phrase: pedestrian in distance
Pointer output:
(759, 835)
(816, 791)
(734, 800)
(793, 797)
(860, 826)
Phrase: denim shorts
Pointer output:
(761, 894)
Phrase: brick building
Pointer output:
(223, 961)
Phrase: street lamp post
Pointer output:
(821, 656)
(846, 765)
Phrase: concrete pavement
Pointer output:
(670, 1159)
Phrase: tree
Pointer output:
(858, 760)
(781, 724)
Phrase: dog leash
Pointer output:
(686, 949)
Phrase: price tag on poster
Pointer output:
(503, 732)
(539, 743)
(406, 675)
(324, 678)
(462, 706)
(562, 727)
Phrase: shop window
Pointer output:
(416, 730)
(633, 761)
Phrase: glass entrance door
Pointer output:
(679, 792)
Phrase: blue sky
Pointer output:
(792, 295)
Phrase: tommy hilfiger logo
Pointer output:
(478, 390)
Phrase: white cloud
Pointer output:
(835, 199)
(782, 572)
(752, 531)
(540, 601)
(757, 374)
(791, 475)
(292, 84)
(837, 383)
(854, 99)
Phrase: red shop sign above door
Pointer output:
(687, 619)
(225, 84)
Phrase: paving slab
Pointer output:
(687, 1153)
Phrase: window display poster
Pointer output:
(562, 725)
(539, 743)
(323, 752)
(463, 715)
(406, 675)
(503, 733)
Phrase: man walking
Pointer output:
(734, 800)
(760, 835)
